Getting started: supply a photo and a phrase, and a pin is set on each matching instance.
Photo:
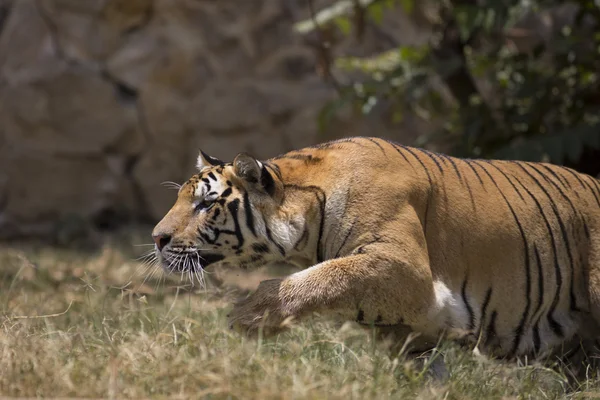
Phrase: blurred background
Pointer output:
(101, 101)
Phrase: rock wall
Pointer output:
(102, 100)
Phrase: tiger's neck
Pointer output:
(299, 227)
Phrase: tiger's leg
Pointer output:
(385, 284)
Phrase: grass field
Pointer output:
(82, 324)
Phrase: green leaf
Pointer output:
(489, 20)
(338, 9)
(398, 115)
(413, 54)
(408, 5)
(344, 25)
(376, 12)
(468, 19)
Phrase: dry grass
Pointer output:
(104, 338)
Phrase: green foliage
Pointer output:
(541, 99)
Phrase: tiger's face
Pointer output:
(225, 213)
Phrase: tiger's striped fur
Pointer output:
(394, 235)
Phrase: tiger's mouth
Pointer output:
(188, 261)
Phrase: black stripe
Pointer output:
(376, 143)
(433, 158)
(474, 170)
(521, 327)
(451, 159)
(420, 162)
(560, 178)
(583, 183)
(586, 229)
(439, 156)
(340, 229)
(536, 339)
(397, 148)
(275, 169)
(463, 293)
(334, 142)
(376, 239)
(267, 181)
(233, 207)
(204, 237)
(212, 176)
(249, 216)
(270, 237)
(556, 186)
(226, 192)
(466, 181)
(506, 177)
(556, 327)
(573, 301)
(595, 183)
(211, 160)
(575, 175)
(565, 236)
(345, 239)
(302, 238)
(540, 272)
(476, 162)
(430, 186)
(260, 248)
(322, 199)
(491, 328)
(486, 302)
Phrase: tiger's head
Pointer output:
(229, 213)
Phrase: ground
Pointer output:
(80, 323)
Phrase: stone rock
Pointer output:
(44, 189)
(291, 63)
(155, 167)
(88, 31)
(165, 120)
(141, 53)
(27, 54)
(73, 112)
(102, 100)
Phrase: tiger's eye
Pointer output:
(205, 205)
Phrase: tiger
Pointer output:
(386, 234)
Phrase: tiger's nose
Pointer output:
(161, 240)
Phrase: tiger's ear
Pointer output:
(254, 172)
(247, 167)
(204, 160)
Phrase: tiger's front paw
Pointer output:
(264, 309)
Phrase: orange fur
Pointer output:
(392, 235)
